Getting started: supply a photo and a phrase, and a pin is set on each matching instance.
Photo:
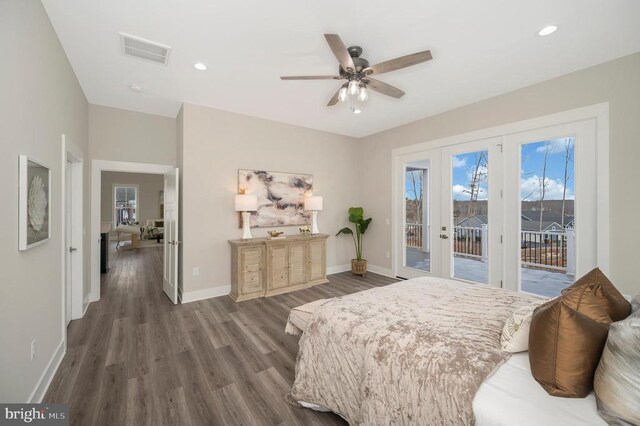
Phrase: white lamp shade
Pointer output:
(313, 203)
(246, 203)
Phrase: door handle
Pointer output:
(72, 249)
(444, 236)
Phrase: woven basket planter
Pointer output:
(359, 267)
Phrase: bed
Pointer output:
(424, 351)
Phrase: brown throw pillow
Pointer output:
(565, 346)
(615, 304)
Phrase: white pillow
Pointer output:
(515, 334)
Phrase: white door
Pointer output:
(171, 237)
(471, 212)
(70, 250)
(417, 212)
(551, 225)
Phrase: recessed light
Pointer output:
(135, 88)
(200, 66)
(550, 29)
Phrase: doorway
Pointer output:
(72, 233)
(133, 230)
(517, 210)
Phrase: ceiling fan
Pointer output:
(358, 72)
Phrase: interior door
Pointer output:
(471, 225)
(172, 241)
(417, 211)
(69, 252)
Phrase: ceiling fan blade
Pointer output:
(399, 63)
(340, 51)
(384, 88)
(311, 77)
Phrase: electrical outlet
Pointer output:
(33, 349)
(388, 255)
(196, 271)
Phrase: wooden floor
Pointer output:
(137, 359)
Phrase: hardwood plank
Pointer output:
(136, 359)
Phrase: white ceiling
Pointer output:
(480, 49)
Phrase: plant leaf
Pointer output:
(345, 230)
(356, 214)
(364, 224)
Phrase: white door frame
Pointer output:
(433, 212)
(74, 156)
(97, 167)
(598, 112)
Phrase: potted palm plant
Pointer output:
(356, 216)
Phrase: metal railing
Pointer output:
(467, 241)
(546, 249)
(413, 233)
(541, 250)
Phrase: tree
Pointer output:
(543, 182)
(416, 186)
(478, 175)
(568, 159)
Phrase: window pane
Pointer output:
(417, 251)
(547, 225)
(121, 194)
(470, 216)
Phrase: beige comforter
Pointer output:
(414, 352)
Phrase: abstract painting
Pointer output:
(280, 197)
(34, 203)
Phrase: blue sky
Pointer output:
(532, 158)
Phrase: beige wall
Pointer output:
(215, 145)
(121, 135)
(41, 100)
(149, 187)
(616, 82)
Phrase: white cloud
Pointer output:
(553, 189)
(459, 192)
(556, 146)
(459, 162)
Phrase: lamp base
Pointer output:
(246, 226)
(314, 222)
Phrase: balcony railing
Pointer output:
(414, 235)
(540, 250)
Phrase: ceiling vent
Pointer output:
(144, 49)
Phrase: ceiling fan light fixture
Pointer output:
(549, 29)
(353, 88)
(363, 95)
(342, 95)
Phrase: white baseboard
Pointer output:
(47, 375)
(207, 293)
(380, 271)
(338, 269)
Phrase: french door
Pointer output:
(447, 218)
(517, 211)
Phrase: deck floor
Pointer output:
(535, 281)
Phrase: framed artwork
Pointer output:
(280, 197)
(34, 206)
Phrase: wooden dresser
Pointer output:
(265, 267)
